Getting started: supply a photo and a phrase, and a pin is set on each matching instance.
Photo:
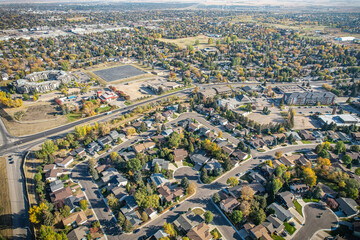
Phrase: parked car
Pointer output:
(136, 230)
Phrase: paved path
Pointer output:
(313, 223)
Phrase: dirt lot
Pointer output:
(22, 129)
(133, 89)
(183, 42)
(5, 205)
(36, 111)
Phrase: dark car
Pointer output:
(137, 230)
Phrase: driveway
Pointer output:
(313, 223)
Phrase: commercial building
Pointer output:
(340, 119)
(309, 98)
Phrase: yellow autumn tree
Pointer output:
(309, 176)
(36, 213)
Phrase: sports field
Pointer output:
(118, 73)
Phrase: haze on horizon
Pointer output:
(328, 3)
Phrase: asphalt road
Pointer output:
(19, 203)
(80, 173)
(314, 223)
(11, 144)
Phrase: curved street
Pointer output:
(317, 217)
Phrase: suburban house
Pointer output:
(78, 233)
(281, 213)
(58, 197)
(167, 132)
(93, 147)
(115, 135)
(103, 141)
(113, 177)
(348, 206)
(213, 165)
(151, 212)
(255, 176)
(193, 126)
(169, 195)
(306, 135)
(273, 224)
(56, 185)
(53, 174)
(80, 151)
(199, 159)
(229, 204)
(200, 232)
(180, 154)
(49, 167)
(144, 146)
(285, 199)
(64, 163)
(158, 179)
(162, 163)
(131, 215)
(185, 222)
(160, 234)
(257, 143)
(260, 232)
(77, 218)
(239, 155)
(299, 188)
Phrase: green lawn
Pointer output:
(73, 116)
(290, 229)
(306, 142)
(276, 237)
(198, 211)
(218, 233)
(103, 109)
(298, 207)
(310, 200)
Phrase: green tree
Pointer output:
(134, 164)
(340, 147)
(208, 216)
(121, 219)
(233, 181)
(236, 216)
(65, 66)
(156, 168)
(346, 159)
(127, 226)
(48, 233)
(144, 216)
(185, 182)
(83, 204)
(174, 140)
(65, 211)
(258, 216)
(216, 198)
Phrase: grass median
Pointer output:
(5, 205)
